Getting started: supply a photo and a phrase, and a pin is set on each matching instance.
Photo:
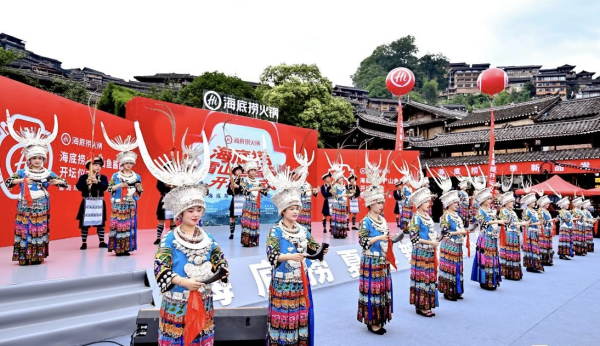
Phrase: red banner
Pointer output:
(356, 161)
(400, 128)
(31, 107)
(492, 157)
(530, 168)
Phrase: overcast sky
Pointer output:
(128, 38)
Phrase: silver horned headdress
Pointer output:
(183, 172)
(376, 178)
(442, 179)
(125, 147)
(286, 182)
(36, 141)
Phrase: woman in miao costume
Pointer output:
(188, 254)
(532, 257)
(546, 231)
(450, 277)
(305, 216)
(589, 225)
(423, 269)
(464, 205)
(339, 207)
(510, 238)
(92, 187)
(406, 211)
(290, 310)
(565, 240)
(32, 232)
(486, 266)
(375, 299)
(339, 199)
(234, 189)
(579, 243)
(125, 188)
(353, 194)
(251, 187)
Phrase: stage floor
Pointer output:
(67, 261)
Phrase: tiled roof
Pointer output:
(384, 135)
(375, 119)
(572, 109)
(523, 109)
(511, 133)
(440, 112)
(572, 154)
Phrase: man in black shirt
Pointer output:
(92, 187)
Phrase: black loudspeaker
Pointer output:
(240, 326)
(233, 326)
(146, 333)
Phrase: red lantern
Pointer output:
(400, 81)
(492, 81)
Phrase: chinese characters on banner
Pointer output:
(71, 164)
(232, 105)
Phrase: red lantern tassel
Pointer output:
(596, 227)
(525, 238)
(468, 245)
(435, 261)
(195, 318)
(305, 283)
(553, 228)
(27, 192)
(390, 254)
(502, 236)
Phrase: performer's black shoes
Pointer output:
(157, 241)
(532, 270)
(83, 246)
(451, 298)
(562, 257)
(102, 245)
(231, 236)
(379, 331)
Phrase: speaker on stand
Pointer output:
(233, 326)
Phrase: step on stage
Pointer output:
(77, 297)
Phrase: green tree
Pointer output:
(193, 93)
(414, 96)
(70, 89)
(114, 97)
(429, 92)
(529, 87)
(166, 94)
(377, 88)
(8, 56)
(304, 99)
(502, 99)
(384, 59)
(434, 67)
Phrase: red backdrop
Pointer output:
(243, 134)
(357, 162)
(69, 151)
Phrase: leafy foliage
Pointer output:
(400, 53)
(304, 99)
(8, 56)
(193, 93)
(429, 92)
(72, 90)
(475, 101)
(114, 97)
(377, 88)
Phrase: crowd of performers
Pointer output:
(188, 257)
